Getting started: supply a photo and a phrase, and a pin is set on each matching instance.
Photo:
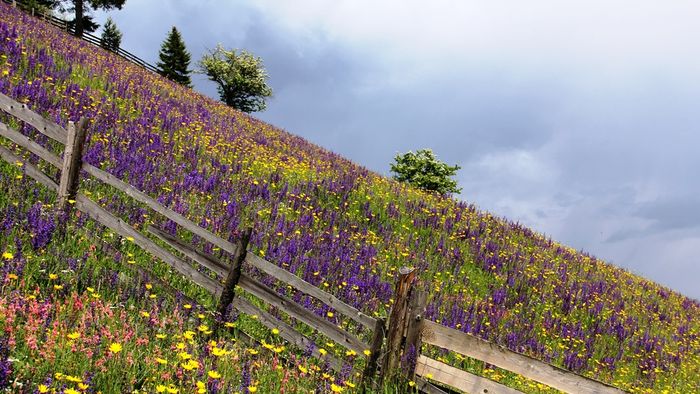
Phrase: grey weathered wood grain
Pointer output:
(22, 112)
(300, 313)
(462, 380)
(124, 229)
(206, 260)
(28, 168)
(286, 331)
(28, 144)
(471, 346)
(307, 288)
(72, 157)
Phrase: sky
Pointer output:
(578, 119)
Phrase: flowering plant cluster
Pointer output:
(333, 223)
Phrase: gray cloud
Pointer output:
(578, 120)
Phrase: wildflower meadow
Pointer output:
(83, 310)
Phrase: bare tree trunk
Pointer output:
(79, 14)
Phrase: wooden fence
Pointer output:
(391, 351)
(63, 24)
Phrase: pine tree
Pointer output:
(111, 36)
(174, 59)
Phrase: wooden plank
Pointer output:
(414, 329)
(234, 274)
(140, 196)
(276, 272)
(471, 346)
(72, 157)
(125, 230)
(28, 144)
(423, 386)
(202, 258)
(23, 113)
(462, 380)
(28, 168)
(307, 288)
(286, 331)
(397, 323)
(300, 313)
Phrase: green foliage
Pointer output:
(174, 59)
(241, 78)
(423, 170)
(111, 36)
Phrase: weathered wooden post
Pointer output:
(234, 275)
(14, 3)
(397, 323)
(71, 163)
(414, 330)
(375, 350)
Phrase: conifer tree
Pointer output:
(111, 37)
(83, 21)
(174, 59)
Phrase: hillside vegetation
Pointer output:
(330, 221)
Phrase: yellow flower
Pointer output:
(53, 276)
(83, 386)
(190, 365)
(303, 369)
(350, 353)
(149, 286)
(115, 348)
(411, 383)
(145, 314)
(429, 375)
(201, 387)
(57, 287)
(252, 389)
(71, 391)
(184, 355)
(218, 352)
(214, 375)
(160, 388)
(172, 390)
(322, 351)
(161, 361)
(203, 328)
(90, 289)
(161, 336)
(329, 314)
(188, 334)
(275, 331)
(335, 388)
(74, 335)
(252, 351)
(187, 306)
(367, 352)
(12, 276)
(229, 324)
(43, 388)
(350, 384)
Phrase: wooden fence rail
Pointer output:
(407, 329)
(65, 25)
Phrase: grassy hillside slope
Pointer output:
(340, 226)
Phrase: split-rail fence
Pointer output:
(46, 15)
(395, 344)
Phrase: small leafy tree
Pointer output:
(111, 37)
(423, 170)
(174, 59)
(241, 78)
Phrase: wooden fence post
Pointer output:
(414, 330)
(375, 350)
(234, 274)
(71, 163)
(397, 323)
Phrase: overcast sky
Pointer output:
(579, 118)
